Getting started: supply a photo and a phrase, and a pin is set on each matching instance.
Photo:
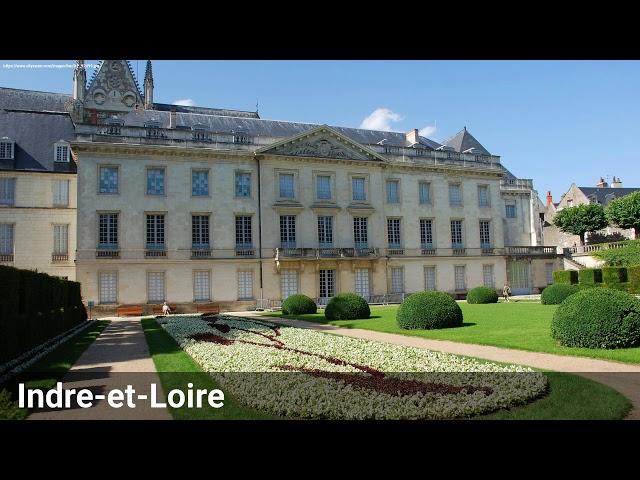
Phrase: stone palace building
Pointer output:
(191, 204)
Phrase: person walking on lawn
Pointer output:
(506, 292)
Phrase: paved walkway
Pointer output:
(118, 357)
(623, 377)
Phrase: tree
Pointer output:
(581, 219)
(624, 212)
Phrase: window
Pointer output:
(323, 187)
(393, 191)
(6, 149)
(362, 283)
(487, 276)
(61, 193)
(243, 184)
(510, 210)
(200, 183)
(61, 153)
(570, 203)
(243, 232)
(155, 232)
(155, 287)
(429, 278)
(245, 285)
(6, 238)
(108, 287)
(397, 280)
(7, 191)
(455, 195)
(426, 233)
(456, 234)
(548, 268)
(360, 232)
(460, 281)
(359, 193)
(424, 192)
(485, 234)
(108, 179)
(60, 239)
(108, 230)
(483, 195)
(242, 138)
(201, 290)
(288, 283)
(200, 133)
(327, 283)
(325, 232)
(155, 181)
(200, 232)
(287, 231)
(286, 185)
(393, 232)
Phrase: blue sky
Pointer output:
(557, 122)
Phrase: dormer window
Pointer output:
(200, 133)
(61, 152)
(153, 129)
(6, 148)
(392, 150)
(241, 137)
(114, 125)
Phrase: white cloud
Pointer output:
(187, 102)
(427, 131)
(380, 119)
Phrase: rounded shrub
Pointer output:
(298, 304)
(482, 295)
(556, 293)
(598, 318)
(429, 310)
(347, 306)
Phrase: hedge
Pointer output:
(557, 293)
(35, 307)
(429, 310)
(613, 275)
(482, 295)
(589, 276)
(298, 304)
(598, 319)
(347, 306)
(633, 279)
(568, 277)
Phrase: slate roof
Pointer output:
(605, 195)
(35, 134)
(463, 141)
(166, 107)
(15, 99)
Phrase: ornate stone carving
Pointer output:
(113, 88)
(321, 147)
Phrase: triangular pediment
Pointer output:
(321, 142)
(113, 88)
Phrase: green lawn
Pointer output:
(520, 325)
(50, 369)
(176, 369)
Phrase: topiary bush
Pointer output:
(613, 275)
(429, 310)
(556, 293)
(633, 277)
(565, 276)
(589, 276)
(298, 304)
(598, 318)
(347, 306)
(482, 295)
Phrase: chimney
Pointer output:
(413, 136)
(602, 183)
(616, 183)
(172, 119)
(549, 199)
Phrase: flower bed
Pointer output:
(302, 373)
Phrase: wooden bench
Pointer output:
(207, 308)
(157, 309)
(129, 311)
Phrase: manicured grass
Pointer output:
(176, 369)
(570, 397)
(519, 325)
(50, 369)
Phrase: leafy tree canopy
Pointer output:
(626, 256)
(581, 219)
(624, 212)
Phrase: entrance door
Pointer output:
(520, 277)
(362, 283)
